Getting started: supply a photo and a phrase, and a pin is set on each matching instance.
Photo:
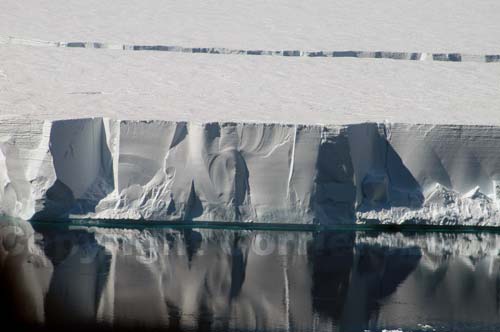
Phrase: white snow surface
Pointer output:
(385, 25)
(53, 83)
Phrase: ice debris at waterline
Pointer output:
(250, 172)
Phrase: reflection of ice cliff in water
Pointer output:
(224, 280)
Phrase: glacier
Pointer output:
(391, 173)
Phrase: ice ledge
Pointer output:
(327, 174)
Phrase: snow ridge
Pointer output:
(410, 56)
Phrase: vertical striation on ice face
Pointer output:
(250, 172)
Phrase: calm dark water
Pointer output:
(185, 279)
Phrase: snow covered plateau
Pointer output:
(268, 112)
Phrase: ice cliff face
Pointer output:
(280, 173)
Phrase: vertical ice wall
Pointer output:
(160, 170)
(457, 157)
(214, 171)
(26, 166)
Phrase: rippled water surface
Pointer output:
(202, 279)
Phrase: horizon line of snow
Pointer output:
(411, 56)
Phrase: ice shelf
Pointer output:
(249, 172)
(282, 112)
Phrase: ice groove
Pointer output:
(409, 56)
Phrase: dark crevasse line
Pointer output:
(410, 56)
